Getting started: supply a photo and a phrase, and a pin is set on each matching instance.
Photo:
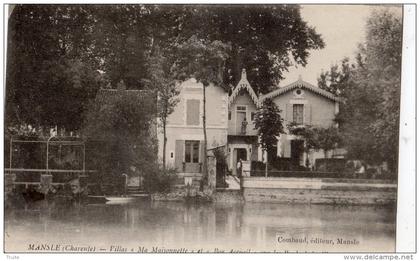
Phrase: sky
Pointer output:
(342, 29)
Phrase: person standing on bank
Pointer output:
(239, 168)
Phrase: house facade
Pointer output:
(303, 104)
(242, 139)
(185, 137)
(230, 123)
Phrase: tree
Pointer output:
(123, 129)
(317, 138)
(336, 79)
(369, 115)
(64, 53)
(50, 76)
(269, 125)
(383, 60)
(204, 61)
(266, 39)
(164, 85)
(325, 139)
(121, 41)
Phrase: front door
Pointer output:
(241, 154)
(192, 156)
(296, 151)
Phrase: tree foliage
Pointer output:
(317, 138)
(122, 128)
(266, 39)
(59, 55)
(49, 75)
(269, 124)
(202, 60)
(164, 84)
(121, 41)
(336, 79)
(369, 114)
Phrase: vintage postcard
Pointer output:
(224, 128)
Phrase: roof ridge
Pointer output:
(300, 83)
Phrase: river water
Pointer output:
(145, 226)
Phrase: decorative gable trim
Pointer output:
(300, 84)
(243, 84)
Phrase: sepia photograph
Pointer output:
(202, 128)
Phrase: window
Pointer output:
(298, 93)
(229, 115)
(193, 112)
(241, 108)
(298, 113)
(172, 154)
(192, 151)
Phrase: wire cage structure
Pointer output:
(46, 159)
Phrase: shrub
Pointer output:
(330, 165)
(158, 180)
(282, 164)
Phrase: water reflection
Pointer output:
(258, 227)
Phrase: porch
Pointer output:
(241, 147)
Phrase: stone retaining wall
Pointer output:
(319, 191)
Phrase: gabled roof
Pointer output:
(243, 84)
(300, 84)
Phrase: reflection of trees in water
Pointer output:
(171, 223)
(199, 222)
(326, 220)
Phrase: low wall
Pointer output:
(319, 191)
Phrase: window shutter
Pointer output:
(307, 114)
(289, 112)
(193, 112)
(179, 154)
(287, 148)
(283, 111)
(279, 146)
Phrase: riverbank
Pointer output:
(293, 190)
(320, 191)
(184, 193)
